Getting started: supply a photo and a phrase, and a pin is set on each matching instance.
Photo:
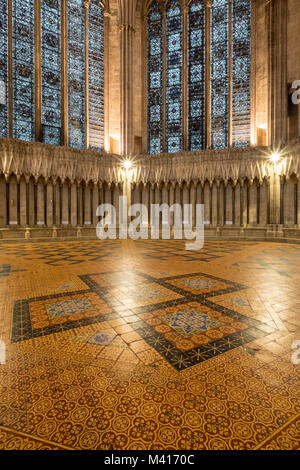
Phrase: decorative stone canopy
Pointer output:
(64, 163)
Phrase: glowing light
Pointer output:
(275, 157)
(263, 126)
(127, 164)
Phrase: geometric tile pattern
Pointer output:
(173, 315)
(120, 377)
(73, 253)
(68, 307)
(190, 322)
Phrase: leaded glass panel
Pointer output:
(51, 70)
(174, 77)
(219, 74)
(23, 69)
(96, 75)
(155, 80)
(3, 69)
(196, 75)
(76, 73)
(241, 72)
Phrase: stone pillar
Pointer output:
(87, 205)
(185, 200)
(13, 201)
(3, 214)
(145, 202)
(229, 205)
(214, 204)
(65, 204)
(157, 196)
(31, 204)
(253, 204)
(73, 202)
(127, 10)
(221, 205)
(23, 203)
(95, 203)
(40, 216)
(244, 203)
(237, 204)
(80, 204)
(49, 204)
(172, 201)
(116, 195)
(263, 204)
(207, 220)
(274, 199)
(289, 203)
(193, 201)
(151, 200)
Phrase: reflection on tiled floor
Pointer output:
(141, 345)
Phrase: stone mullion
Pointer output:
(106, 78)
(253, 136)
(86, 62)
(10, 71)
(185, 78)
(230, 111)
(145, 86)
(37, 71)
(64, 73)
(164, 77)
(207, 74)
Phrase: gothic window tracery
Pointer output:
(206, 103)
(155, 79)
(174, 77)
(196, 75)
(51, 70)
(56, 53)
(3, 69)
(23, 69)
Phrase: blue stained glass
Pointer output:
(23, 69)
(219, 74)
(96, 75)
(3, 69)
(155, 82)
(51, 70)
(174, 78)
(196, 75)
(76, 73)
(241, 72)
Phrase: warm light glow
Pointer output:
(262, 126)
(127, 164)
(275, 157)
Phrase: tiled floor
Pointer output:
(143, 345)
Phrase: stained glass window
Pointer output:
(196, 75)
(219, 74)
(51, 70)
(3, 69)
(96, 75)
(76, 73)
(155, 80)
(241, 72)
(23, 69)
(174, 78)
